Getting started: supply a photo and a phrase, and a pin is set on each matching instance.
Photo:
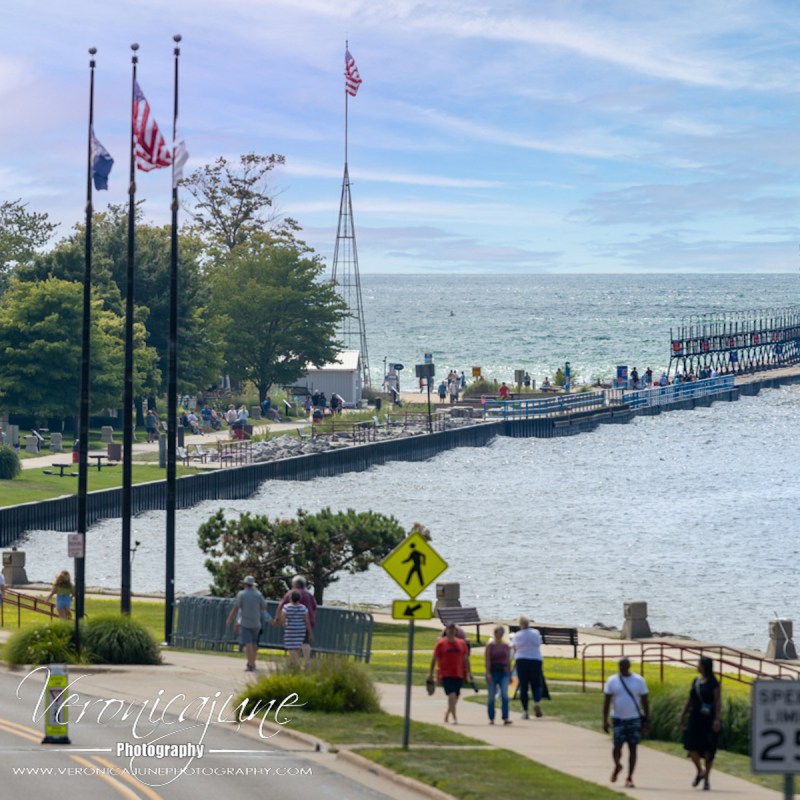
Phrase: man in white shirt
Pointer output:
(627, 693)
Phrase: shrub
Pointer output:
(9, 463)
(331, 685)
(118, 640)
(47, 644)
(666, 703)
(479, 387)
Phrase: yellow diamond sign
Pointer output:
(414, 564)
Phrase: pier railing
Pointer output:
(544, 406)
(676, 393)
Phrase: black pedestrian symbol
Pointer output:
(417, 559)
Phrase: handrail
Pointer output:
(678, 392)
(735, 664)
(544, 407)
(25, 601)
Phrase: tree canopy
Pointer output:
(40, 325)
(278, 316)
(232, 201)
(315, 546)
(22, 234)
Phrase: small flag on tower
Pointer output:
(352, 80)
(150, 148)
(101, 164)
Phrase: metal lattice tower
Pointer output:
(346, 276)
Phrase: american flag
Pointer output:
(150, 148)
(352, 80)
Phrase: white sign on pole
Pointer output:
(75, 545)
(775, 727)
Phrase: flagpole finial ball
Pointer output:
(92, 51)
(177, 37)
(134, 47)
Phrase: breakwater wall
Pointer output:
(235, 483)
(60, 514)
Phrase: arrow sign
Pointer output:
(419, 609)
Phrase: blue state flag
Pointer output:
(101, 164)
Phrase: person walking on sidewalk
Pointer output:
(527, 645)
(703, 706)
(307, 599)
(627, 694)
(451, 656)
(498, 673)
(250, 602)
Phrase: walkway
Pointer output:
(567, 748)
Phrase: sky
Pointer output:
(531, 136)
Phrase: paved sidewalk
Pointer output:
(570, 749)
(139, 448)
(567, 748)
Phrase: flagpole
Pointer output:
(127, 402)
(172, 383)
(346, 106)
(83, 423)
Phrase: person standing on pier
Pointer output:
(627, 693)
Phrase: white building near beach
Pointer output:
(342, 376)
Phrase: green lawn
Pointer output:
(33, 485)
(487, 774)
(373, 729)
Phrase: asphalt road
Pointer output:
(234, 762)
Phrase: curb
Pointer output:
(389, 775)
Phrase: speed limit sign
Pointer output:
(775, 727)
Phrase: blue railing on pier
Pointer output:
(669, 395)
(544, 406)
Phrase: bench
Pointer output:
(552, 634)
(461, 616)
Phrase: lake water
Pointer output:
(692, 511)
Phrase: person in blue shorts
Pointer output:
(63, 590)
(626, 693)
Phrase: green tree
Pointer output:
(232, 202)
(22, 233)
(40, 338)
(199, 352)
(345, 541)
(317, 546)
(249, 545)
(278, 316)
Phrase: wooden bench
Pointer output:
(461, 616)
(554, 635)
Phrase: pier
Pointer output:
(551, 417)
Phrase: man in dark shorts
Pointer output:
(627, 692)
(451, 656)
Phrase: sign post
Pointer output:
(775, 730)
(56, 729)
(413, 565)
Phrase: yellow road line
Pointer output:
(23, 728)
(110, 780)
(143, 788)
(28, 736)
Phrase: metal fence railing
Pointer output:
(544, 406)
(340, 631)
(677, 393)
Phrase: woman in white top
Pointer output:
(527, 646)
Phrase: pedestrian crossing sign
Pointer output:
(414, 564)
